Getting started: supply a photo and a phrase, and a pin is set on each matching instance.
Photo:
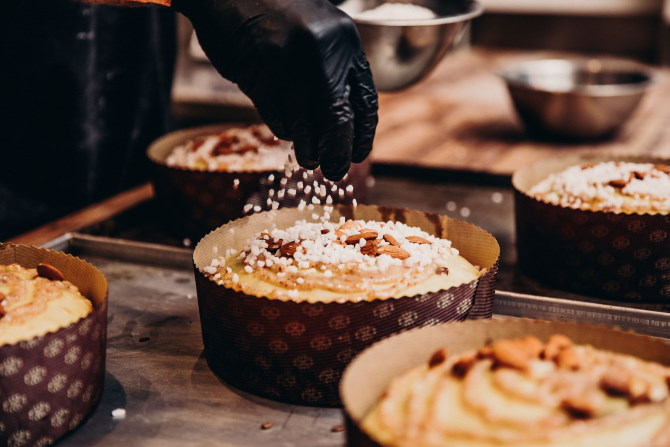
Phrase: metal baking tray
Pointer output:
(159, 390)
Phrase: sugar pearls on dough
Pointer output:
(253, 148)
(33, 304)
(612, 186)
(525, 392)
(342, 261)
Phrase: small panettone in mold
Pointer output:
(206, 176)
(52, 376)
(596, 225)
(284, 309)
(510, 383)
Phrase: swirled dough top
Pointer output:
(253, 148)
(609, 186)
(523, 392)
(31, 306)
(346, 261)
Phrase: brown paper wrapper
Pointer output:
(610, 255)
(49, 384)
(369, 374)
(196, 202)
(295, 352)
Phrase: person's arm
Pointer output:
(301, 63)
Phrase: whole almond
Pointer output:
(555, 345)
(393, 251)
(417, 240)
(517, 353)
(48, 271)
(507, 353)
(352, 240)
(461, 367)
(615, 382)
(438, 357)
(568, 359)
(583, 405)
(289, 249)
(370, 247)
(391, 240)
(618, 183)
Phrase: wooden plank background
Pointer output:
(462, 118)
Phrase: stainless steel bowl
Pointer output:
(402, 52)
(575, 98)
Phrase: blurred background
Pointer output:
(634, 29)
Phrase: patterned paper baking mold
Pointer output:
(49, 384)
(617, 256)
(295, 352)
(195, 202)
(370, 373)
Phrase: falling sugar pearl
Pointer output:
(301, 205)
(497, 197)
(308, 189)
(119, 413)
(465, 211)
(292, 192)
(247, 207)
(350, 188)
(354, 202)
(271, 177)
(186, 242)
(236, 183)
(451, 206)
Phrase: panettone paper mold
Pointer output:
(195, 202)
(295, 352)
(616, 256)
(370, 373)
(50, 384)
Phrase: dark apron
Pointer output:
(83, 90)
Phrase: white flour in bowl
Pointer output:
(397, 11)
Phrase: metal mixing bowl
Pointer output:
(575, 98)
(401, 52)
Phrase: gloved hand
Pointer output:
(301, 63)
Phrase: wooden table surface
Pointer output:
(462, 118)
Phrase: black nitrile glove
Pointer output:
(301, 63)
